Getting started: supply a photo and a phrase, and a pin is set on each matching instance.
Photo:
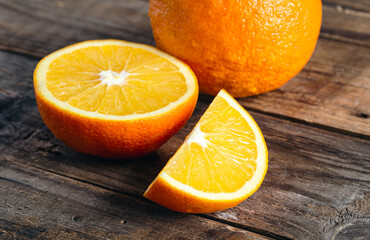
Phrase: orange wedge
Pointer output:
(220, 164)
(113, 98)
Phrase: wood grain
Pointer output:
(38, 205)
(37, 27)
(346, 21)
(358, 5)
(317, 184)
(331, 91)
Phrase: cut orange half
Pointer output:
(113, 98)
(220, 164)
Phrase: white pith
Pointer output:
(249, 186)
(197, 136)
(113, 78)
(43, 66)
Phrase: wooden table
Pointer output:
(317, 129)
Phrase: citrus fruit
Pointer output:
(246, 47)
(220, 164)
(113, 98)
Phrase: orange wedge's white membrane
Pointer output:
(197, 136)
(112, 78)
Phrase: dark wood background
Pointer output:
(317, 128)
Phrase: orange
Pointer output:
(246, 47)
(113, 98)
(220, 164)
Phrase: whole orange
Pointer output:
(246, 47)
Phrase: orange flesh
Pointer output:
(220, 154)
(147, 82)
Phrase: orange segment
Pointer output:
(114, 98)
(221, 163)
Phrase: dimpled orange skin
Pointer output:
(113, 138)
(246, 47)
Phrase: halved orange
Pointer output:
(113, 98)
(220, 164)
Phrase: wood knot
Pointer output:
(349, 230)
(76, 218)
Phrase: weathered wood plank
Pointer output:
(39, 205)
(37, 27)
(345, 23)
(358, 5)
(318, 181)
(332, 90)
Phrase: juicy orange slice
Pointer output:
(114, 98)
(220, 164)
